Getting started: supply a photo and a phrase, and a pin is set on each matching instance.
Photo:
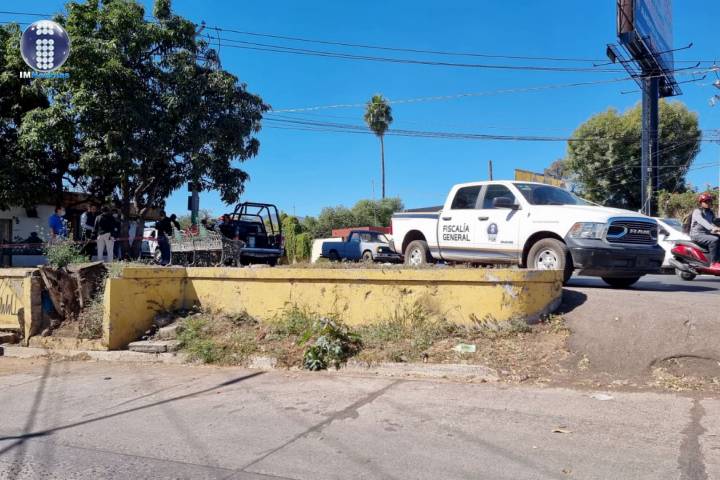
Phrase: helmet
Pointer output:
(705, 197)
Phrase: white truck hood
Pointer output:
(583, 213)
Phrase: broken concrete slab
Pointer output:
(168, 333)
(163, 319)
(262, 363)
(154, 346)
(8, 337)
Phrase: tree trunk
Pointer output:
(382, 165)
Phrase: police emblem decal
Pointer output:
(492, 231)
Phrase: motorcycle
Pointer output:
(690, 260)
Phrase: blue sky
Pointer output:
(303, 171)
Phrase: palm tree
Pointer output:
(378, 116)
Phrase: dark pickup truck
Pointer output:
(361, 245)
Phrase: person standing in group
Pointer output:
(104, 231)
(87, 229)
(58, 225)
(87, 222)
(164, 228)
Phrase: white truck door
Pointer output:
(499, 235)
(458, 226)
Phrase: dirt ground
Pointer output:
(609, 339)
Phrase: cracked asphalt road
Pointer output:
(86, 420)
(626, 332)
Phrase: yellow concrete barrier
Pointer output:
(131, 302)
(20, 300)
(358, 296)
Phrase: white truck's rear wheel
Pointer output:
(551, 254)
(417, 254)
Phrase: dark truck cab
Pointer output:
(254, 233)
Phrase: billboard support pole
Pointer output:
(650, 160)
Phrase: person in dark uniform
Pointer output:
(164, 228)
(104, 233)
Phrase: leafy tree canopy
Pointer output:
(365, 213)
(152, 105)
(145, 109)
(604, 159)
(23, 175)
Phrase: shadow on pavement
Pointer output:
(570, 301)
(644, 286)
(20, 439)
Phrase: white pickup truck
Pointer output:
(532, 225)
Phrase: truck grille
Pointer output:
(636, 232)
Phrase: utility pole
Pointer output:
(645, 51)
(713, 101)
(194, 203)
(490, 172)
(650, 160)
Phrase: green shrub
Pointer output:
(415, 325)
(329, 343)
(679, 205)
(64, 253)
(194, 339)
(217, 339)
(303, 246)
(293, 321)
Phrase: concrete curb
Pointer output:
(14, 351)
(476, 373)
(479, 373)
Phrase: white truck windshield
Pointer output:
(537, 194)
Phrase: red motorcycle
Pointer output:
(690, 260)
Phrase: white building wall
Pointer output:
(25, 225)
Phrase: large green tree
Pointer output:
(605, 153)
(378, 116)
(152, 106)
(365, 213)
(32, 166)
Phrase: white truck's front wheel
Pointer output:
(417, 254)
(551, 254)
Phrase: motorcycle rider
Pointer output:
(704, 232)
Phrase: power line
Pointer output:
(436, 98)
(501, 91)
(424, 51)
(27, 14)
(366, 46)
(278, 36)
(274, 48)
(349, 56)
(310, 124)
(404, 49)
